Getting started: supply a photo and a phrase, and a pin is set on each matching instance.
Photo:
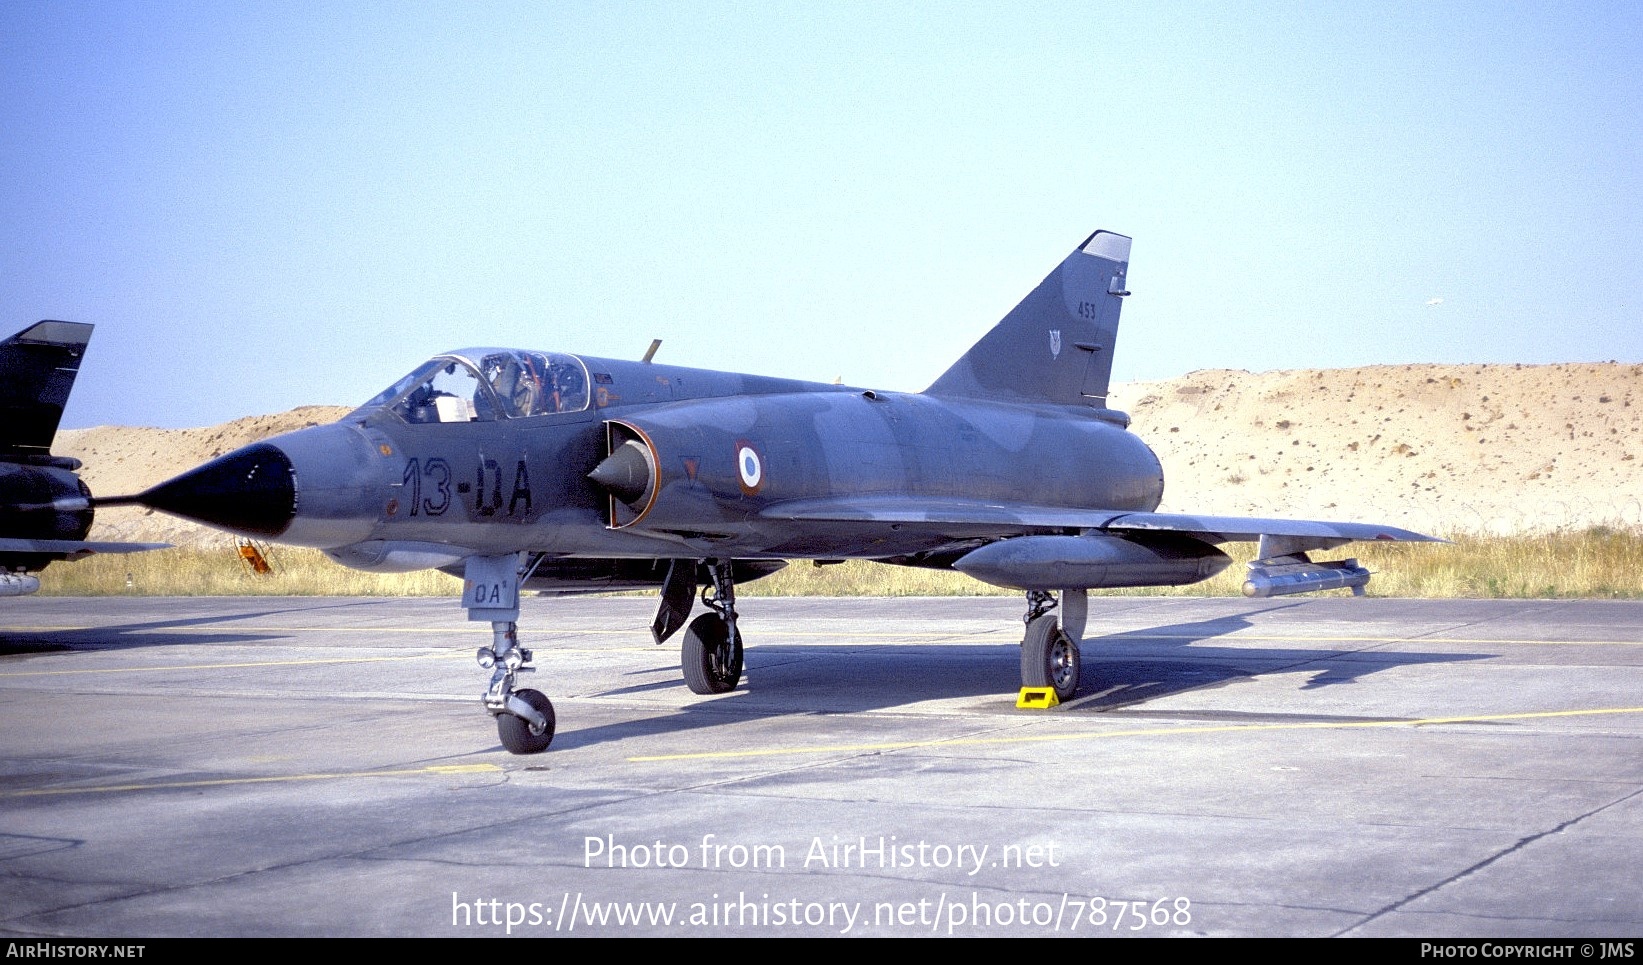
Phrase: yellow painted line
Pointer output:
(230, 666)
(848, 636)
(221, 625)
(1306, 638)
(1108, 735)
(1120, 636)
(437, 770)
(460, 628)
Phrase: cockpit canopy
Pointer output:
(484, 384)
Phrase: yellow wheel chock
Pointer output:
(1037, 698)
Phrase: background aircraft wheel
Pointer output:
(1049, 658)
(711, 662)
(516, 734)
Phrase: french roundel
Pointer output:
(749, 466)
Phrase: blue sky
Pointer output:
(266, 205)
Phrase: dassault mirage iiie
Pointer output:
(555, 472)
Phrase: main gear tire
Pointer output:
(710, 659)
(1050, 658)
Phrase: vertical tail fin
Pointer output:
(1056, 346)
(37, 369)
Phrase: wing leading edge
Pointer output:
(1031, 547)
(1004, 520)
(73, 549)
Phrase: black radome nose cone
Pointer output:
(251, 490)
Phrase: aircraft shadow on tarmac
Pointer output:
(1122, 673)
(15, 846)
(150, 634)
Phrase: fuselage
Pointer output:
(461, 458)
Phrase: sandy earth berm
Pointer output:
(1436, 448)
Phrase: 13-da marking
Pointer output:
(486, 488)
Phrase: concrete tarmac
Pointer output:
(1308, 767)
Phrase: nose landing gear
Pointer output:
(524, 718)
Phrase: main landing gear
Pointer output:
(711, 655)
(1049, 651)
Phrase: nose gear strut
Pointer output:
(524, 718)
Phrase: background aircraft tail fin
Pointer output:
(37, 370)
(1056, 346)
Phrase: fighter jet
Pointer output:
(45, 510)
(547, 471)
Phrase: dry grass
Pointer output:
(862, 578)
(1595, 563)
(203, 572)
(1592, 563)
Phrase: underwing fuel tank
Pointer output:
(316, 487)
(1092, 561)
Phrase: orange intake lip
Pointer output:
(628, 473)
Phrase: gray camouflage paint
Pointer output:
(1012, 441)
